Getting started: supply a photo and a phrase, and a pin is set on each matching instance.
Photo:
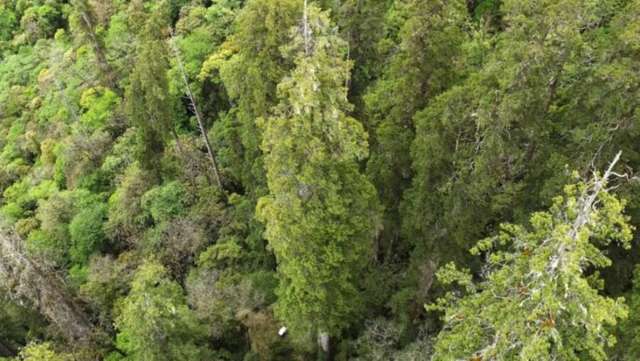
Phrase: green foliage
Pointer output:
(537, 300)
(148, 101)
(321, 213)
(154, 321)
(41, 21)
(21, 197)
(494, 147)
(251, 73)
(87, 235)
(458, 115)
(70, 227)
(164, 202)
(7, 24)
(126, 218)
(107, 280)
(628, 347)
(427, 62)
(100, 105)
(42, 352)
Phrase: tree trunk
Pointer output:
(25, 279)
(196, 111)
(324, 346)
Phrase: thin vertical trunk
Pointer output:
(306, 32)
(324, 346)
(203, 130)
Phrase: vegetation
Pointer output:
(278, 180)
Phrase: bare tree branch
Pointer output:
(24, 279)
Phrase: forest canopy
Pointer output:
(344, 180)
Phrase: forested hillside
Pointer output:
(292, 180)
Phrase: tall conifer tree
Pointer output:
(537, 300)
(321, 212)
(427, 62)
(250, 76)
(492, 148)
(148, 98)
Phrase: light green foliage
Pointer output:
(42, 352)
(21, 197)
(70, 226)
(154, 322)
(99, 105)
(86, 232)
(321, 213)
(164, 202)
(536, 300)
(204, 30)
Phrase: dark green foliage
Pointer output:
(496, 146)
(426, 62)
(148, 100)
(41, 21)
(537, 302)
(362, 146)
(251, 65)
(19, 325)
(321, 213)
(154, 322)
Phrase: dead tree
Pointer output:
(25, 280)
(196, 111)
(88, 23)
